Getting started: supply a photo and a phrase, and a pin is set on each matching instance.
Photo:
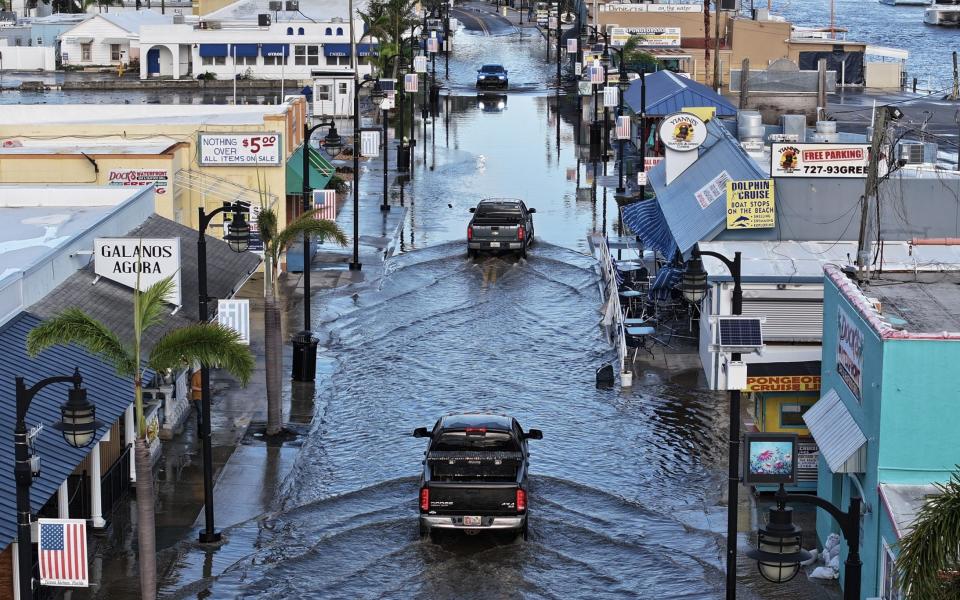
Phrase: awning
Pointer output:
(110, 394)
(903, 502)
(78, 40)
(645, 220)
(344, 49)
(244, 50)
(115, 40)
(213, 50)
(274, 50)
(836, 432)
(320, 171)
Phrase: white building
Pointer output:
(107, 38)
(248, 39)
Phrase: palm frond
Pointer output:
(77, 327)
(150, 305)
(929, 555)
(267, 224)
(307, 223)
(209, 344)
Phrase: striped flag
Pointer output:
(623, 128)
(571, 45)
(433, 45)
(420, 63)
(596, 74)
(63, 552)
(611, 96)
(325, 202)
(411, 83)
(369, 143)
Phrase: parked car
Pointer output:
(500, 224)
(475, 474)
(492, 76)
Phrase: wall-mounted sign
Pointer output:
(646, 36)
(820, 160)
(140, 177)
(123, 259)
(783, 383)
(235, 314)
(240, 149)
(62, 546)
(712, 190)
(849, 353)
(682, 132)
(807, 455)
(750, 204)
(770, 458)
(623, 8)
(642, 178)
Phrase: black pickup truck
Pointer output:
(475, 474)
(500, 224)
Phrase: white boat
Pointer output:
(942, 12)
(906, 2)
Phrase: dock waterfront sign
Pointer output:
(240, 149)
(850, 353)
(750, 204)
(820, 160)
(121, 259)
(140, 177)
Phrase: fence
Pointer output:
(613, 316)
(797, 82)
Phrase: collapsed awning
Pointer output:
(837, 434)
(646, 220)
(320, 171)
(210, 50)
(344, 50)
(244, 50)
(274, 50)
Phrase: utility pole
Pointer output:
(955, 93)
(869, 199)
(744, 83)
(716, 46)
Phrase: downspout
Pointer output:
(864, 506)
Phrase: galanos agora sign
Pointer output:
(125, 260)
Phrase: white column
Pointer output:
(16, 570)
(96, 506)
(63, 501)
(175, 52)
(129, 435)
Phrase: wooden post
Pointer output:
(822, 84)
(744, 83)
(869, 198)
(955, 94)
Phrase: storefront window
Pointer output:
(890, 584)
(85, 51)
(323, 92)
(114, 52)
(213, 60)
(274, 60)
(791, 415)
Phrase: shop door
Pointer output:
(153, 61)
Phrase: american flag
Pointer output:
(63, 552)
(611, 96)
(411, 82)
(325, 202)
(596, 74)
(623, 128)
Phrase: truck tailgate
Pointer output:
(474, 498)
(495, 233)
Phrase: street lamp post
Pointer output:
(78, 424)
(779, 553)
(304, 344)
(694, 287)
(376, 95)
(238, 237)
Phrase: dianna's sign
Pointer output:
(683, 132)
(124, 259)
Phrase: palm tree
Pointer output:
(388, 20)
(208, 344)
(274, 244)
(929, 560)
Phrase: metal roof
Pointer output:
(688, 222)
(108, 392)
(668, 93)
(836, 432)
(112, 303)
(903, 502)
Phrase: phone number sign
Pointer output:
(820, 160)
(240, 149)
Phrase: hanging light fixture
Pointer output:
(332, 142)
(694, 283)
(238, 236)
(377, 94)
(78, 421)
(778, 552)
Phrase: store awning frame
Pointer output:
(213, 50)
(244, 50)
(837, 434)
(275, 50)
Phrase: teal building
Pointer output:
(886, 422)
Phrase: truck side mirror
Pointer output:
(531, 210)
(421, 432)
(534, 434)
(473, 209)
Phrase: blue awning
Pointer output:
(110, 394)
(645, 219)
(245, 50)
(344, 49)
(213, 50)
(274, 50)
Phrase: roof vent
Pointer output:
(275, 5)
(293, 6)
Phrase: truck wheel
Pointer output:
(424, 531)
(523, 253)
(471, 253)
(524, 531)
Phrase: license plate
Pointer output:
(471, 521)
(494, 244)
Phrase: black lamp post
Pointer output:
(78, 425)
(376, 96)
(237, 235)
(779, 554)
(694, 288)
(304, 344)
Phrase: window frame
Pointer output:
(888, 559)
(803, 408)
(324, 92)
(86, 52)
(116, 53)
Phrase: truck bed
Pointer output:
(474, 465)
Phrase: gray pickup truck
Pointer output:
(500, 224)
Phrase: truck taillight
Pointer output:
(521, 500)
(424, 499)
(520, 233)
(469, 232)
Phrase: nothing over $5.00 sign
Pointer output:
(240, 149)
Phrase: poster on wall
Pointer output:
(130, 261)
(750, 204)
(770, 458)
(646, 36)
(240, 149)
(712, 190)
(140, 177)
(820, 160)
(850, 353)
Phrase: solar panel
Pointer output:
(740, 333)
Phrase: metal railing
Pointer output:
(610, 289)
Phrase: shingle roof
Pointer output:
(112, 303)
(668, 93)
(109, 393)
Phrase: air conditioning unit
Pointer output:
(203, 25)
(911, 153)
(275, 5)
(178, 19)
(293, 6)
(263, 20)
(213, 24)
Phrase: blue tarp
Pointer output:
(668, 93)
(344, 49)
(244, 50)
(213, 50)
(274, 50)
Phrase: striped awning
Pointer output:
(646, 221)
(836, 432)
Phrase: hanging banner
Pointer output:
(420, 63)
(750, 204)
(62, 551)
(578, 69)
(686, 8)
(240, 149)
(325, 203)
(433, 45)
(411, 83)
(646, 37)
(140, 177)
(596, 74)
(123, 259)
(572, 46)
(623, 128)
(235, 314)
(369, 143)
(820, 160)
(611, 96)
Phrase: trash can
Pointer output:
(403, 157)
(304, 357)
(595, 140)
